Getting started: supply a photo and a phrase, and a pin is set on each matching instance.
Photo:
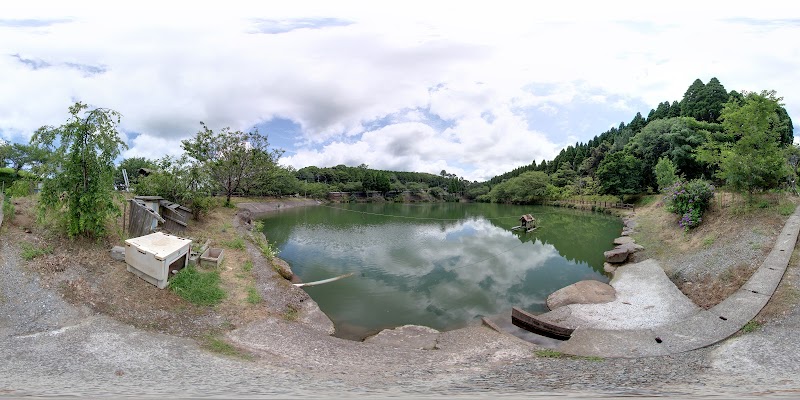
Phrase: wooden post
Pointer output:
(124, 211)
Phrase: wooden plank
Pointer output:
(530, 323)
(176, 220)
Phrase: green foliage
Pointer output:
(690, 200)
(197, 287)
(237, 243)
(29, 251)
(620, 173)
(181, 181)
(665, 173)
(549, 353)
(8, 209)
(20, 188)
(247, 266)
(786, 208)
(751, 326)
(526, 188)
(132, 166)
(20, 155)
(78, 183)
(235, 160)
(220, 346)
(253, 297)
(749, 158)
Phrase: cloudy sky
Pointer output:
(474, 88)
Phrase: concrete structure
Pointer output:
(651, 317)
(157, 256)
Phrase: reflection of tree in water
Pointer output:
(436, 270)
(574, 234)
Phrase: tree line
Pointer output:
(742, 140)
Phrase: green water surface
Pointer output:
(442, 265)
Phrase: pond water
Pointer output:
(442, 265)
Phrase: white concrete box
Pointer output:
(153, 257)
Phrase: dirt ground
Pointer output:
(84, 273)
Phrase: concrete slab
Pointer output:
(413, 337)
(614, 343)
(651, 317)
(645, 298)
(696, 331)
(765, 280)
(742, 306)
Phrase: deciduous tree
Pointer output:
(79, 178)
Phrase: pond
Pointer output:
(442, 265)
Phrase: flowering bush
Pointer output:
(689, 200)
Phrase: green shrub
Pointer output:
(20, 188)
(200, 288)
(689, 200)
(8, 210)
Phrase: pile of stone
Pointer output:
(625, 247)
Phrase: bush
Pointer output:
(689, 200)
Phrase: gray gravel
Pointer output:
(52, 348)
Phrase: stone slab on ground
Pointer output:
(413, 337)
(118, 253)
(582, 292)
(589, 342)
(645, 297)
(623, 240)
(616, 256)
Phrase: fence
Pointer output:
(595, 204)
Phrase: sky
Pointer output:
(473, 88)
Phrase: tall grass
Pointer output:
(197, 287)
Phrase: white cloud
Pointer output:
(468, 79)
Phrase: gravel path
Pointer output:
(52, 348)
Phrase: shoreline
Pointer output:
(250, 211)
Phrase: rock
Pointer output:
(408, 336)
(118, 253)
(623, 240)
(610, 268)
(630, 247)
(283, 268)
(627, 232)
(616, 255)
(629, 223)
(583, 292)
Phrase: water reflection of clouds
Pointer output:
(457, 270)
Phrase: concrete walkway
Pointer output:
(651, 317)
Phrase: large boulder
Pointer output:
(583, 292)
(617, 255)
(412, 337)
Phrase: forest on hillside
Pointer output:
(739, 140)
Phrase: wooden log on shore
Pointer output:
(530, 323)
